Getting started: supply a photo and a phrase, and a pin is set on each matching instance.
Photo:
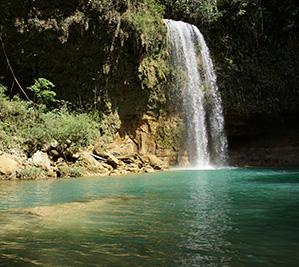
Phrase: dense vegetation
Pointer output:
(255, 47)
(27, 127)
(99, 54)
(109, 57)
(90, 49)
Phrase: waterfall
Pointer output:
(194, 76)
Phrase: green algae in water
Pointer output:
(230, 217)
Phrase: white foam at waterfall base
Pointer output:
(206, 142)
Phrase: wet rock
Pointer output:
(52, 173)
(118, 172)
(145, 138)
(114, 173)
(148, 169)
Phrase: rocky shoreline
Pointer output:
(120, 157)
(84, 163)
(144, 151)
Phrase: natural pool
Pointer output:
(230, 217)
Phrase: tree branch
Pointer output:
(12, 72)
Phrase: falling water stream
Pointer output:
(195, 77)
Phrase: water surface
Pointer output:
(232, 217)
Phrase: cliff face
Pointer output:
(254, 45)
(263, 140)
(111, 56)
(101, 55)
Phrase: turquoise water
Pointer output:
(233, 217)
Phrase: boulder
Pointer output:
(156, 163)
(127, 159)
(113, 161)
(41, 159)
(106, 158)
(132, 168)
(148, 169)
(91, 165)
(8, 165)
(122, 146)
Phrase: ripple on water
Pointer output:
(233, 217)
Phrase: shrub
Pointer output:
(22, 125)
(31, 173)
(79, 129)
(43, 91)
(74, 172)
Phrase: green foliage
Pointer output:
(74, 172)
(77, 129)
(43, 91)
(22, 126)
(169, 133)
(2, 90)
(68, 129)
(147, 19)
(205, 11)
(31, 173)
(254, 45)
(94, 50)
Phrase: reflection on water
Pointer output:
(233, 217)
(208, 223)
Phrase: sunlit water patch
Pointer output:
(228, 217)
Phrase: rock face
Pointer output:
(120, 146)
(156, 163)
(8, 165)
(263, 142)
